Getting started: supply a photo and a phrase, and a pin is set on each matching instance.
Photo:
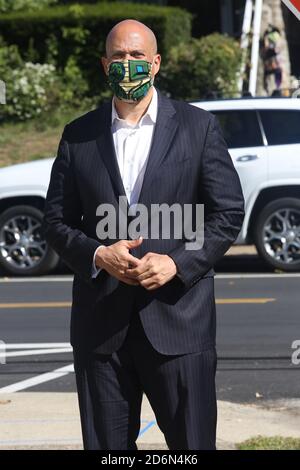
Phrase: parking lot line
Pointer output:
(37, 279)
(35, 304)
(259, 300)
(38, 379)
(35, 352)
(36, 345)
(148, 426)
(68, 278)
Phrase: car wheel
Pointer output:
(23, 250)
(277, 234)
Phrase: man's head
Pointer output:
(131, 40)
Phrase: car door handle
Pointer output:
(246, 158)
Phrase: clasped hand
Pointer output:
(152, 271)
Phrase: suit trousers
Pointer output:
(180, 389)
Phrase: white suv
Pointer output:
(263, 136)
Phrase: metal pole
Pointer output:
(245, 40)
(255, 46)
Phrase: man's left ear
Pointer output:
(157, 65)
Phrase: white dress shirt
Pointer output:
(132, 145)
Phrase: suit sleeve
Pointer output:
(62, 216)
(220, 189)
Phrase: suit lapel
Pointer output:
(164, 132)
(106, 149)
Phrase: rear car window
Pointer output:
(281, 126)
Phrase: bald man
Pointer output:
(143, 314)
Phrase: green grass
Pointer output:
(34, 139)
(270, 443)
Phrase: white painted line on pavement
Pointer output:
(35, 352)
(36, 345)
(39, 379)
(255, 276)
(36, 279)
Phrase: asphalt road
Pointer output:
(257, 314)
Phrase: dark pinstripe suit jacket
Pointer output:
(188, 163)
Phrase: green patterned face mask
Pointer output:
(130, 80)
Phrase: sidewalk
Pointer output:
(238, 250)
(35, 420)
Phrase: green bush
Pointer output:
(202, 66)
(17, 5)
(55, 34)
(9, 58)
(73, 85)
(33, 88)
(28, 91)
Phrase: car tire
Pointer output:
(275, 225)
(23, 250)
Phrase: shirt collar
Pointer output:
(151, 111)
